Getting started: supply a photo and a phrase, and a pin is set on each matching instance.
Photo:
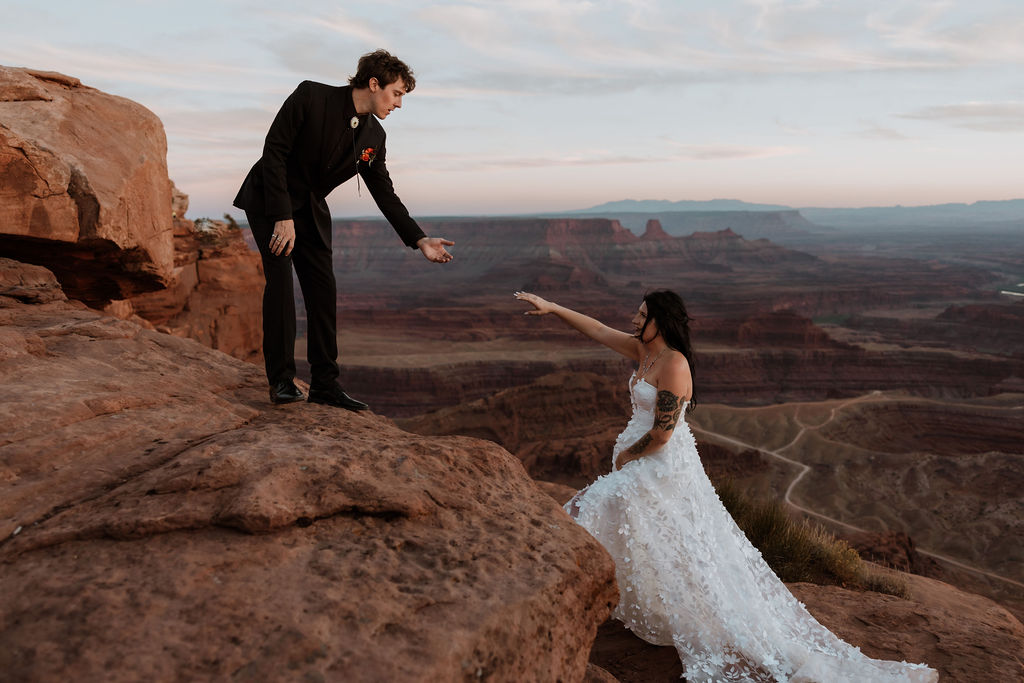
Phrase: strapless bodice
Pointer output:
(643, 397)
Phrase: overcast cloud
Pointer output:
(538, 105)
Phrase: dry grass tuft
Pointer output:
(798, 550)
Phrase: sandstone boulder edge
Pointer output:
(84, 186)
(164, 521)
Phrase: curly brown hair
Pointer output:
(383, 66)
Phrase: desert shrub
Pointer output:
(800, 550)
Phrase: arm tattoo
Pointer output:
(669, 409)
(642, 443)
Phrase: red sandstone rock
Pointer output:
(784, 329)
(27, 283)
(162, 521)
(596, 674)
(83, 186)
(215, 293)
(966, 637)
(91, 401)
(893, 549)
(561, 493)
(83, 180)
(654, 231)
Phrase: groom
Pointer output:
(321, 137)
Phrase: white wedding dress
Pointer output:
(688, 577)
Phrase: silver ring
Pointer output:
(276, 237)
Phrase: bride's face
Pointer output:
(638, 324)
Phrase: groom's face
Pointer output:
(384, 99)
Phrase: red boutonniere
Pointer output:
(368, 155)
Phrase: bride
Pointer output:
(687, 575)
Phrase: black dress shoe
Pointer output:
(285, 392)
(334, 396)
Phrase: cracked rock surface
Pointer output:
(162, 521)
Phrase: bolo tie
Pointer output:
(353, 124)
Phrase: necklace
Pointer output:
(646, 366)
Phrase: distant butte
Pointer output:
(654, 231)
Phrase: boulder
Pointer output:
(893, 549)
(27, 283)
(214, 293)
(83, 186)
(85, 192)
(162, 521)
(965, 637)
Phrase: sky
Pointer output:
(548, 105)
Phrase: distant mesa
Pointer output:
(547, 252)
(679, 217)
(986, 216)
(659, 205)
(785, 329)
(784, 224)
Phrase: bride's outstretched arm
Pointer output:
(616, 340)
(674, 387)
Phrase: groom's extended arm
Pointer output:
(673, 386)
(378, 182)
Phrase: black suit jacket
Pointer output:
(311, 148)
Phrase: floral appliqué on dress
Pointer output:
(688, 576)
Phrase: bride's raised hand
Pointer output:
(540, 306)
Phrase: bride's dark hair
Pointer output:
(667, 310)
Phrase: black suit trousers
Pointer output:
(313, 265)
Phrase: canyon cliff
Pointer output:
(161, 520)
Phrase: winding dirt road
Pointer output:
(804, 469)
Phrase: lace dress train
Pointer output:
(688, 576)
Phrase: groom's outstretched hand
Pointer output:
(433, 249)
